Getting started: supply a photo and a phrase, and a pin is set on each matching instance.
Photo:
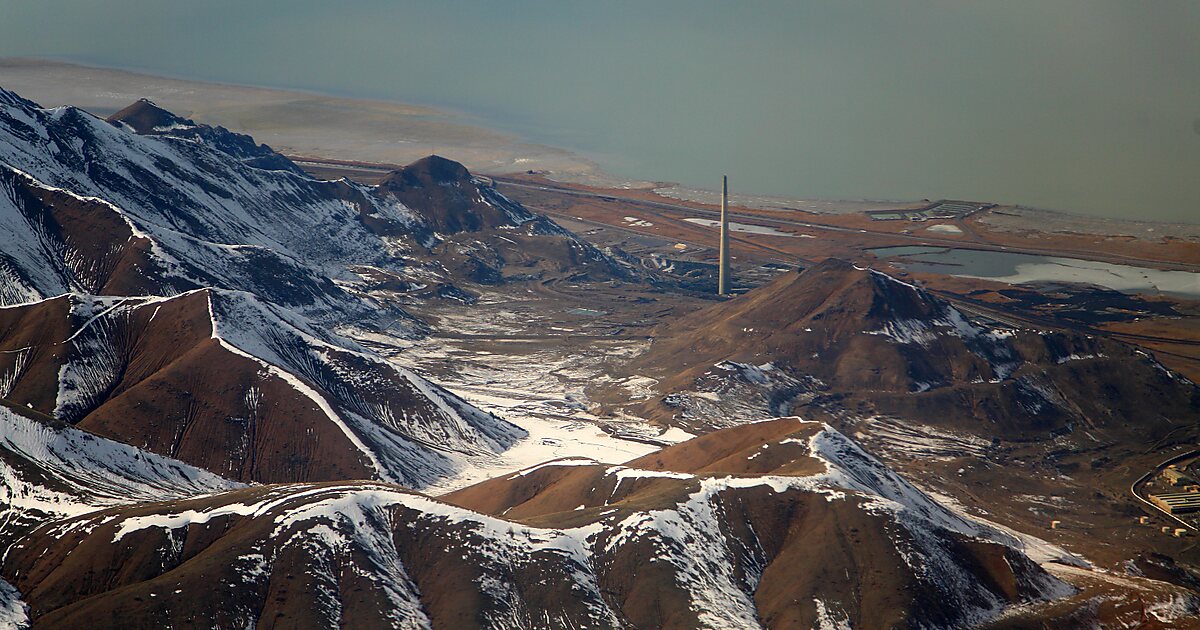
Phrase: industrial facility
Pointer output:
(944, 209)
(1176, 477)
(1177, 502)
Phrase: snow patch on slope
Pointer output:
(566, 461)
(432, 436)
(357, 522)
(987, 343)
(307, 392)
(690, 538)
(65, 471)
(14, 613)
(337, 522)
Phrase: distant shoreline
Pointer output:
(293, 121)
(302, 122)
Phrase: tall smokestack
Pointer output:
(723, 275)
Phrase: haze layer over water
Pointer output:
(1090, 106)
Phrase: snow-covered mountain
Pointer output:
(146, 118)
(92, 206)
(779, 524)
(226, 381)
(174, 286)
(51, 470)
(186, 440)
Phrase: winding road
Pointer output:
(1146, 477)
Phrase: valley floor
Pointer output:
(529, 356)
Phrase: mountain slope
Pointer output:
(485, 237)
(644, 548)
(225, 381)
(185, 206)
(49, 470)
(851, 336)
(203, 217)
(259, 263)
(146, 118)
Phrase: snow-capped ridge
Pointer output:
(395, 424)
(78, 472)
(711, 543)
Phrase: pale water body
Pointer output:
(1015, 268)
(1090, 106)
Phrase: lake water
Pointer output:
(1090, 106)
(1024, 268)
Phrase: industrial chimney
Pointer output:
(723, 275)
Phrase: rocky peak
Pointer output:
(147, 118)
(430, 170)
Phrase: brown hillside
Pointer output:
(871, 342)
(86, 240)
(151, 373)
(648, 549)
(178, 392)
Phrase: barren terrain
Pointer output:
(1024, 414)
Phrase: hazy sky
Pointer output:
(1085, 105)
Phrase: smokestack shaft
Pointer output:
(723, 275)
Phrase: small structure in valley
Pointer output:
(1176, 477)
